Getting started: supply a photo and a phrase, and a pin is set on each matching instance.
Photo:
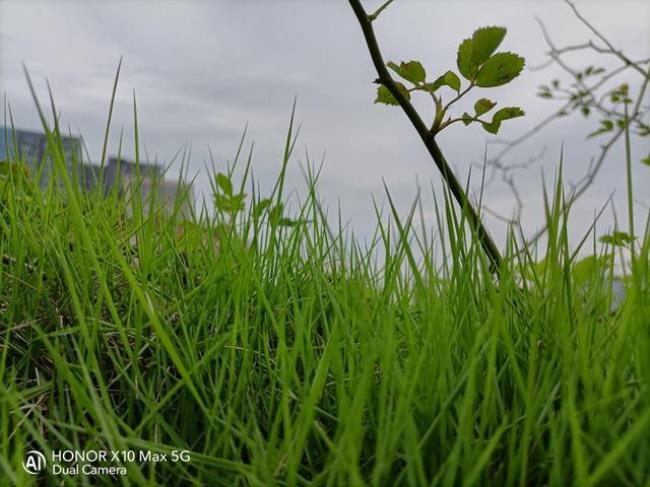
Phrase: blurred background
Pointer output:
(202, 71)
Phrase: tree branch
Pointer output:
(609, 45)
(428, 138)
(590, 98)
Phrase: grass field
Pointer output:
(278, 350)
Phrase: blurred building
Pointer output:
(151, 182)
(31, 149)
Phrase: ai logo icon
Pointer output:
(34, 462)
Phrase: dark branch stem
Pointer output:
(427, 137)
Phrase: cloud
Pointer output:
(202, 70)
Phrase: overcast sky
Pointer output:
(202, 70)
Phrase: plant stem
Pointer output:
(628, 170)
(459, 96)
(427, 137)
(374, 15)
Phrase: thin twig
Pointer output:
(612, 49)
(376, 13)
(589, 99)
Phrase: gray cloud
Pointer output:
(202, 70)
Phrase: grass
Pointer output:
(281, 351)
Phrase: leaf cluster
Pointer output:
(480, 66)
(229, 202)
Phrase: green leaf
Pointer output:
(433, 87)
(450, 79)
(224, 183)
(499, 69)
(230, 203)
(386, 97)
(222, 202)
(622, 123)
(412, 71)
(605, 126)
(483, 106)
(485, 41)
(507, 113)
(617, 239)
(429, 87)
(288, 222)
(467, 118)
(464, 60)
(590, 268)
(260, 207)
(643, 130)
(237, 202)
(492, 127)
(275, 215)
(472, 53)
(504, 114)
(646, 160)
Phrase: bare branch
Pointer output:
(581, 94)
(612, 49)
